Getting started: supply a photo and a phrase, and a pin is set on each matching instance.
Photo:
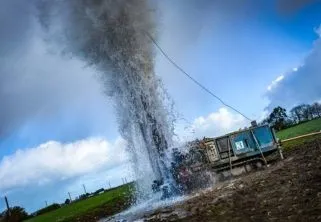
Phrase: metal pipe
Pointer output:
(279, 147)
(8, 207)
(229, 153)
(85, 191)
(302, 136)
(69, 197)
(258, 145)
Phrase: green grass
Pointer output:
(300, 129)
(97, 204)
(294, 143)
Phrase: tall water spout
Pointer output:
(110, 35)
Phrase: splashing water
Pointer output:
(111, 36)
(137, 213)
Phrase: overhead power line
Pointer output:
(192, 79)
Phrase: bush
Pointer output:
(48, 209)
(84, 196)
(17, 214)
(99, 191)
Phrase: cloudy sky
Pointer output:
(58, 130)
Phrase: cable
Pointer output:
(191, 78)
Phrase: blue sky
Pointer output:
(236, 50)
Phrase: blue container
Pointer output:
(264, 137)
(242, 142)
(253, 139)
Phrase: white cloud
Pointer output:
(215, 124)
(54, 161)
(302, 84)
(280, 78)
(318, 31)
(275, 82)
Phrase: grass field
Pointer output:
(300, 129)
(98, 206)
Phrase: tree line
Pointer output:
(280, 119)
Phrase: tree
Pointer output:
(298, 113)
(278, 118)
(17, 214)
(316, 109)
(307, 112)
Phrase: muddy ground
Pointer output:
(288, 190)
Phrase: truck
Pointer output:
(229, 155)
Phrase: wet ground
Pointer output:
(288, 190)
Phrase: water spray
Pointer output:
(109, 36)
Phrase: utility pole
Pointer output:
(84, 188)
(8, 207)
(46, 203)
(69, 196)
(126, 180)
(109, 185)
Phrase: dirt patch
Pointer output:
(288, 190)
